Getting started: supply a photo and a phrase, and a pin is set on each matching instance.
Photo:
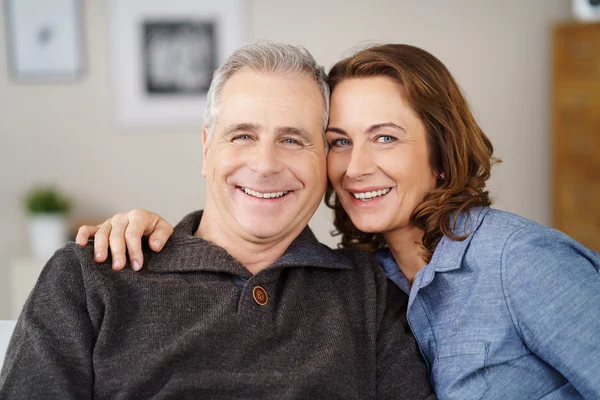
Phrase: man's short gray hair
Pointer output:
(266, 57)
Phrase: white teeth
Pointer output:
(260, 195)
(371, 195)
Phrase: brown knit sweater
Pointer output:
(190, 325)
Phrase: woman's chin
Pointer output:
(368, 226)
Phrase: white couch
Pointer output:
(6, 330)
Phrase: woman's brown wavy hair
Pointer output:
(458, 148)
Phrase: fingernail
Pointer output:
(99, 255)
(157, 243)
(136, 265)
(116, 264)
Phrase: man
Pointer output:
(243, 302)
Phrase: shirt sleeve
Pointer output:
(552, 286)
(50, 352)
(401, 372)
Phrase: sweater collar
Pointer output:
(184, 252)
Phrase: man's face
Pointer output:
(265, 164)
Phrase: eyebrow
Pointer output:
(283, 130)
(371, 129)
(243, 127)
(298, 132)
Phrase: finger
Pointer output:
(161, 234)
(139, 222)
(84, 233)
(116, 240)
(101, 241)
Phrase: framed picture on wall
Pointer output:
(586, 10)
(164, 53)
(45, 39)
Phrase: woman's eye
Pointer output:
(340, 142)
(385, 139)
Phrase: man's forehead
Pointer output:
(251, 100)
(247, 73)
(247, 83)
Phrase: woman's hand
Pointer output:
(123, 232)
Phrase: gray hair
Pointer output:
(266, 57)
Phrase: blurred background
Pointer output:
(72, 133)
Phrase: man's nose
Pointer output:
(265, 159)
(361, 163)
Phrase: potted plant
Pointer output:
(48, 210)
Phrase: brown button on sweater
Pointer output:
(332, 328)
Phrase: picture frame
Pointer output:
(45, 40)
(586, 10)
(163, 55)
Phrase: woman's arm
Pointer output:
(552, 287)
(123, 232)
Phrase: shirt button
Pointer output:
(260, 295)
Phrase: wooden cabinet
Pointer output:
(576, 132)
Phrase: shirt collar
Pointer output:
(184, 252)
(449, 253)
(447, 256)
(391, 269)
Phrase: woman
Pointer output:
(501, 307)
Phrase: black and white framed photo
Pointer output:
(45, 39)
(163, 56)
(586, 10)
(179, 57)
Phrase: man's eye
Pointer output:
(241, 138)
(290, 141)
(385, 139)
(341, 142)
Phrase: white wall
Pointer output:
(497, 50)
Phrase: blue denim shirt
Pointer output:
(511, 312)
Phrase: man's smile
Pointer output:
(264, 194)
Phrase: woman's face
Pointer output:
(378, 161)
